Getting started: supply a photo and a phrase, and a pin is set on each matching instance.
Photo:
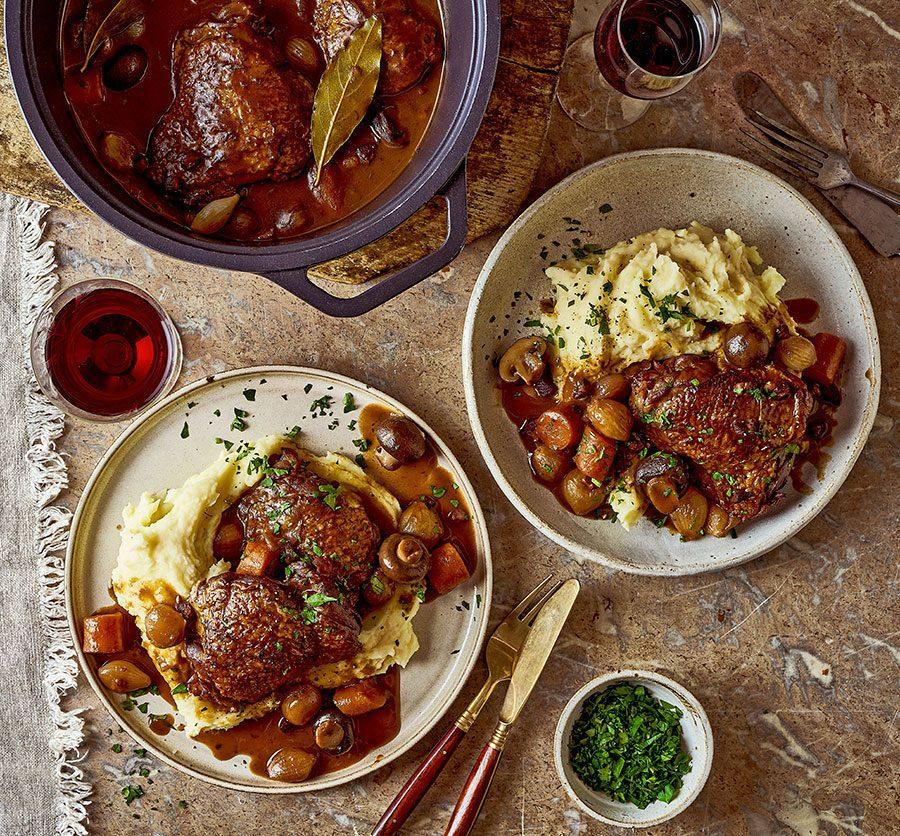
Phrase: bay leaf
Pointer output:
(345, 92)
(123, 14)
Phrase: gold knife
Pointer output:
(534, 655)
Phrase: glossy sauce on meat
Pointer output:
(423, 478)
(360, 171)
(799, 416)
(257, 740)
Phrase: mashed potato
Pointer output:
(650, 297)
(166, 549)
(647, 298)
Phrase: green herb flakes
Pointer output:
(131, 793)
(627, 744)
(185, 430)
(250, 394)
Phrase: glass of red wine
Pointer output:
(104, 350)
(641, 50)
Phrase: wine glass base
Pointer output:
(586, 97)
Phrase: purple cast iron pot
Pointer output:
(472, 45)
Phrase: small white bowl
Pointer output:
(696, 735)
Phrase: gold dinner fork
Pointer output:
(502, 651)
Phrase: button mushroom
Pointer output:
(524, 360)
(400, 441)
(661, 464)
(403, 558)
(333, 732)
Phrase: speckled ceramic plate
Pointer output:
(615, 199)
(152, 454)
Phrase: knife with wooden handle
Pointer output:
(535, 652)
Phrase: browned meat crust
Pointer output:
(251, 638)
(303, 518)
(240, 114)
(411, 42)
(740, 429)
(249, 635)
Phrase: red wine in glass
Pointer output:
(108, 351)
(644, 50)
(662, 37)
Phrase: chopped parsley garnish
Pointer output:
(437, 492)
(250, 394)
(239, 423)
(131, 793)
(329, 495)
(321, 406)
(598, 319)
(361, 444)
(185, 430)
(627, 743)
(349, 403)
(605, 208)
(293, 432)
(180, 688)
(117, 748)
(318, 599)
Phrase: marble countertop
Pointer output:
(795, 656)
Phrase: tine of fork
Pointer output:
(780, 146)
(533, 613)
(766, 151)
(528, 600)
(790, 149)
(788, 132)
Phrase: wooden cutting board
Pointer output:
(501, 164)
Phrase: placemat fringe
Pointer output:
(44, 423)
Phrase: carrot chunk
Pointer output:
(104, 633)
(594, 455)
(448, 568)
(559, 428)
(360, 697)
(830, 351)
(256, 559)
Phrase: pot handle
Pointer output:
(297, 282)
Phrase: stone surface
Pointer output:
(795, 656)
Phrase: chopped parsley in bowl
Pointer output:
(633, 748)
(627, 744)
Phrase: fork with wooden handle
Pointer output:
(502, 650)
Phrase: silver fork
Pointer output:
(502, 651)
(799, 155)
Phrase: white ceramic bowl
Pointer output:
(647, 190)
(696, 735)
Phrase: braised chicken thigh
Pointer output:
(412, 44)
(739, 428)
(240, 115)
